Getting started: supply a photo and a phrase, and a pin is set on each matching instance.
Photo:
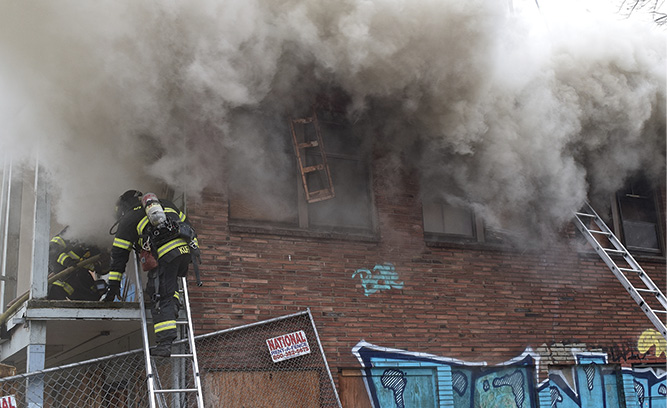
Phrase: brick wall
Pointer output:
(473, 303)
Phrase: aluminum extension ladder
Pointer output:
(155, 390)
(655, 303)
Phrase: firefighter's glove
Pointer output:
(114, 290)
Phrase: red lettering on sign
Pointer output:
(287, 340)
(272, 346)
(8, 402)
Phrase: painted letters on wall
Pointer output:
(383, 277)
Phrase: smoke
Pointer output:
(518, 115)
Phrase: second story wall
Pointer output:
(395, 288)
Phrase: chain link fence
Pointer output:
(273, 363)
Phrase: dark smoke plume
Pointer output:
(517, 115)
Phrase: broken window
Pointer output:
(637, 217)
(322, 184)
(343, 188)
(261, 183)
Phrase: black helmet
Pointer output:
(127, 201)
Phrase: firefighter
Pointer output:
(81, 283)
(173, 252)
(63, 253)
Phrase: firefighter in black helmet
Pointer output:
(173, 256)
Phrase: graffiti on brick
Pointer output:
(652, 338)
(649, 345)
(383, 277)
(598, 384)
(588, 381)
(474, 384)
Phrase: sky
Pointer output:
(517, 111)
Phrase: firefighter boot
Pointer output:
(162, 349)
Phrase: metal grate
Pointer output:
(236, 366)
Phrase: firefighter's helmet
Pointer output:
(127, 201)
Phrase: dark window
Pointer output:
(282, 201)
(350, 175)
(262, 186)
(638, 217)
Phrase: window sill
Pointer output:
(467, 244)
(586, 249)
(286, 231)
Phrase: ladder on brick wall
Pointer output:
(156, 392)
(311, 158)
(624, 267)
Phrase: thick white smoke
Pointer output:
(517, 114)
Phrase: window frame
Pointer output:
(476, 226)
(302, 225)
(617, 223)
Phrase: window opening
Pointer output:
(443, 218)
(301, 195)
(639, 217)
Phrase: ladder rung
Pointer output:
(614, 251)
(585, 215)
(311, 169)
(320, 195)
(302, 120)
(647, 291)
(314, 143)
(181, 322)
(599, 232)
(175, 390)
(630, 270)
(182, 355)
(659, 311)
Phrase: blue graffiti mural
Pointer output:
(516, 383)
(402, 379)
(395, 381)
(597, 384)
(427, 378)
(650, 389)
(384, 277)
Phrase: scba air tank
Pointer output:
(153, 209)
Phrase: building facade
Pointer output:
(419, 304)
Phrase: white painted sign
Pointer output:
(8, 402)
(287, 346)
